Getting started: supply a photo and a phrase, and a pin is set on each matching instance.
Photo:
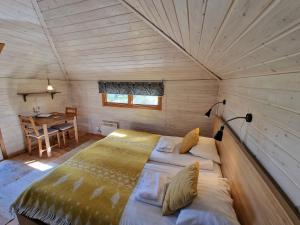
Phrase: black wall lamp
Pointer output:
(219, 135)
(209, 111)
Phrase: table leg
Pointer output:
(75, 128)
(48, 147)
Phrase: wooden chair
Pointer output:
(31, 132)
(67, 127)
(71, 111)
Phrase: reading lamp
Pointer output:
(219, 135)
(209, 111)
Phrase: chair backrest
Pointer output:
(71, 111)
(28, 125)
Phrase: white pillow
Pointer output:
(206, 148)
(177, 159)
(196, 217)
(167, 144)
(213, 204)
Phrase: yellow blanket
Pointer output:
(93, 186)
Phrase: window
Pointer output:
(132, 101)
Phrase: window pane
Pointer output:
(116, 98)
(145, 100)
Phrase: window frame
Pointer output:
(130, 103)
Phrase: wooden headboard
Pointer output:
(257, 199)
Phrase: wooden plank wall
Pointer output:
(256, 198)
(184, 105)
(12, 104)
(27, 53)
(274, 135)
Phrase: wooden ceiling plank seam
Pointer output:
(124, 19)
(213, 20)
(59, 6)
(134, 26)
(47, 33)
(264, 63)
(242, 16)
(275, 38)
(172, 41)
(112, 49)
(263, 13)
(117, 54)
(177, 24)
(182, 15)
(171, 14)
(196, 34)
(114, 41)
(69, 20)
(129, 53)
(110, 45)
(264, 75)
(109, 56)
(226, 18)
(150, 4)
(111, 40)
(151, 55)
(147, 11)
(22, 10)
(25, 3)
(68, 26)
(77, 8)
(164, 18)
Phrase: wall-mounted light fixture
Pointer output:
(49, 86)
(219, 135)
(1, 46)
(209, 111)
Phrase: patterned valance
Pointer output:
(132, 88)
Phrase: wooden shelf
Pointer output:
(25, 94)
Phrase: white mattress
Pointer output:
(138, 213)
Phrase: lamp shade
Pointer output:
(208, 113)
(49, 86)
(219, 135)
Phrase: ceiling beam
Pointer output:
(172, 41)
(49, 38)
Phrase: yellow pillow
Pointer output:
(189, 140)
(181, 190)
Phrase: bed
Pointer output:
(249, 211)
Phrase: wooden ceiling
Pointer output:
(27, 52)
(233, 38)
(103, 39)
(115, 39)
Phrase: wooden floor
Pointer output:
(19, 172)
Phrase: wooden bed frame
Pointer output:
(257, 198)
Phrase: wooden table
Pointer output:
(55, 119)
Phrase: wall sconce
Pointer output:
(219, 135)
(209, 111)
(49, 86)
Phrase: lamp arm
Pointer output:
(234, 118)
(217, 104)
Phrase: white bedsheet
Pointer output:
(139, 213)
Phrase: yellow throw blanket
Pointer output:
(91, 188)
